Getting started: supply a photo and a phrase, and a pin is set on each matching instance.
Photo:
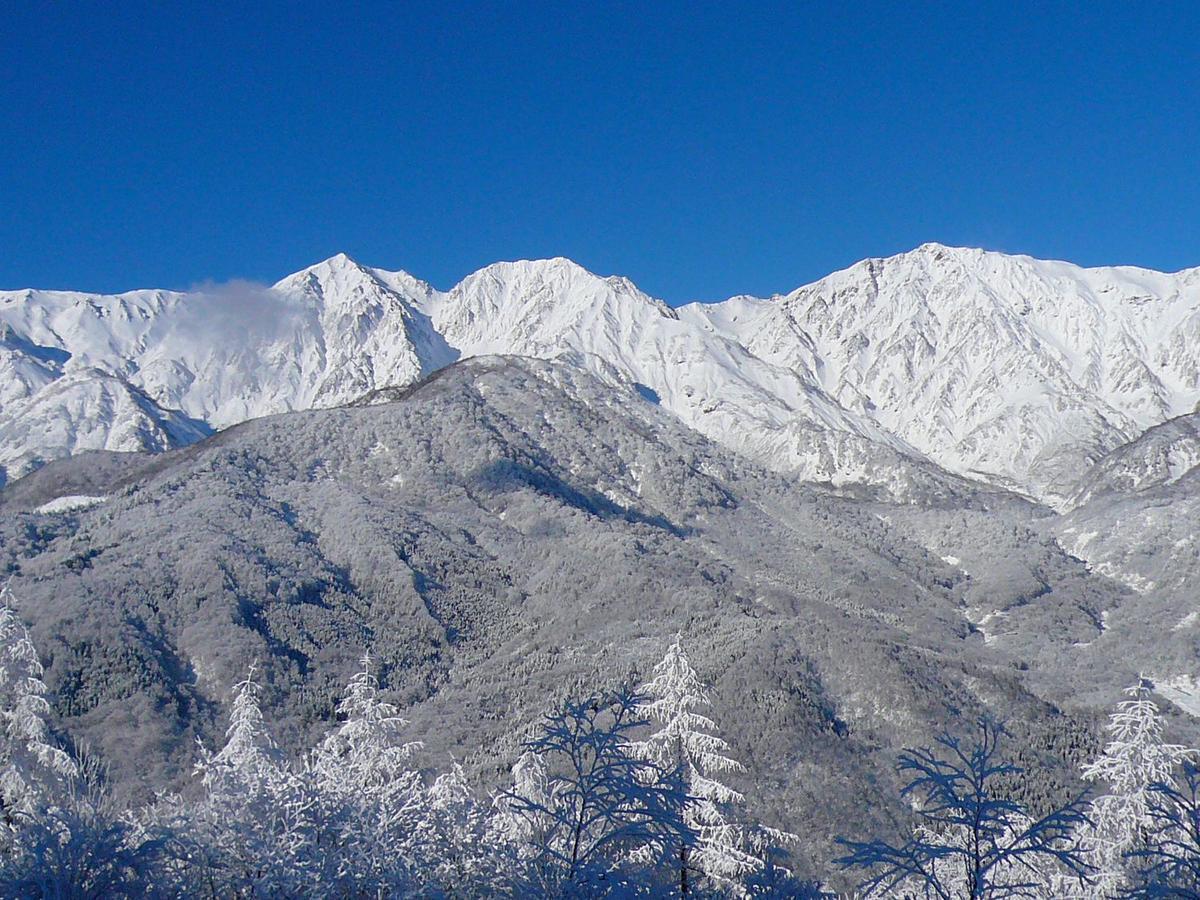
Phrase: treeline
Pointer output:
(615, 795)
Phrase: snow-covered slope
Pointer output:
(1136, 519)
(775, 414)
(1016, 370)
(1007, 369)
(504, 532)
(1161, 456)
(90, 409)
(149, 370)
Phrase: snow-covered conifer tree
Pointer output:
(457, 848)
(367, 754)
(597, 815)
(249, 749)
(517, 827)
(685, 739)
(371, 800)
(368, 747)
(514, 826)
(254, 815)
(31, 767)
(1135, 758)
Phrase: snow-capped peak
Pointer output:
(521, 306)
(330, 277)
(1006, 368)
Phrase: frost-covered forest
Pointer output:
(617, 794)
(704, 527)
(514, 551)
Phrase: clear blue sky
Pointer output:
(699, 149)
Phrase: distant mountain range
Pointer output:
(926, 486)
(1013, 372)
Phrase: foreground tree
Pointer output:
(971, 841)
(686, 740)
(33, 772)
(1135, 759)
(371, 802)
(61, 835)
(515, 819)
(1167, 864)
(456, 847)
(84, 846)
(251, 832)
(602, 811)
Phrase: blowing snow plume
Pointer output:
(237, 309)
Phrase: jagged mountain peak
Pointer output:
(339, 262)
(539, 265)
(327, 277)
(1018, 272)
(523, 293)
(1016, 371)
(341, 272)
(934, 251)
(557, 272)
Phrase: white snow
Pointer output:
(1187, 621)
(1083, 547)
(1181, 461)
(1182, 690)
(70, 503)
(1079, 548)
(982, 623)
(1133, 580)
(996, 367)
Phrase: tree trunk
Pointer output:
(683, 870)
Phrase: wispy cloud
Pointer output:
(232, 310)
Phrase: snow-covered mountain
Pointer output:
(511, 529)
(1018, 371)
(1009, 370)
(1164, 455)
(1134, 518)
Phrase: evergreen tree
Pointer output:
(521, 823)
(457, 849)
(1135, 758)
(368, 749)
(253, 820)
(249, 749)
(32, 770)
(686, 739)
(60, 838)
(602, 812)
(372, 804)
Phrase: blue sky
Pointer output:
(700, 149)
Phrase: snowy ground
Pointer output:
(70, 503)
(1183, 691)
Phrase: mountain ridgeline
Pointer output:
(921, 490)
(1010, 371)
